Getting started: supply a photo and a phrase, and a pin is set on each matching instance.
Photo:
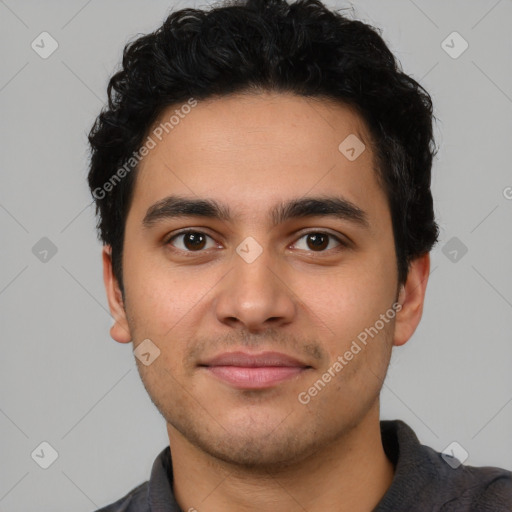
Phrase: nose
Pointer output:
(255, 295)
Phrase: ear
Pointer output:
(119, 331)
(411, 298)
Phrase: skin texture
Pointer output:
(236, 449)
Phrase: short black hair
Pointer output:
(268, 45)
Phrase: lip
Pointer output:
(249, 360)
(254, 371)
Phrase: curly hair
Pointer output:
(269, 45)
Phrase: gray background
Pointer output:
(64, 381)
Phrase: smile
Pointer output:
(254, 371)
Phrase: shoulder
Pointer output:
(498, 493)
(482, 489)
(435, 481)
(134, 501)
(153, 492)
(470, 488)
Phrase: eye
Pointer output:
(195, 241)
(318, 241)
(190, 241)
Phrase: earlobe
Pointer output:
(119, 331)
(411, 299)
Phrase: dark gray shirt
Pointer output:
(423, 482)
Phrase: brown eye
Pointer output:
(190, 241)
(318, 241)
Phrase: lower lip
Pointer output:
(255, 377)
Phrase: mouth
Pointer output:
(254, 371)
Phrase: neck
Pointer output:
(350, 474)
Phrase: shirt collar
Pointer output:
(413, 464)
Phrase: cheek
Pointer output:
(159, 297)
(345, 303)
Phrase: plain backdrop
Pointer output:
(65, 382)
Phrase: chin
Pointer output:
(260, 447)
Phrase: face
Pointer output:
(253, 297)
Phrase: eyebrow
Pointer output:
(174, 206)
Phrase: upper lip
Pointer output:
(245, 359)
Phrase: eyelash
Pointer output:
(342, 243)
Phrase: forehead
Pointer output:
(254, 150)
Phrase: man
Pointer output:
(262, 179)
